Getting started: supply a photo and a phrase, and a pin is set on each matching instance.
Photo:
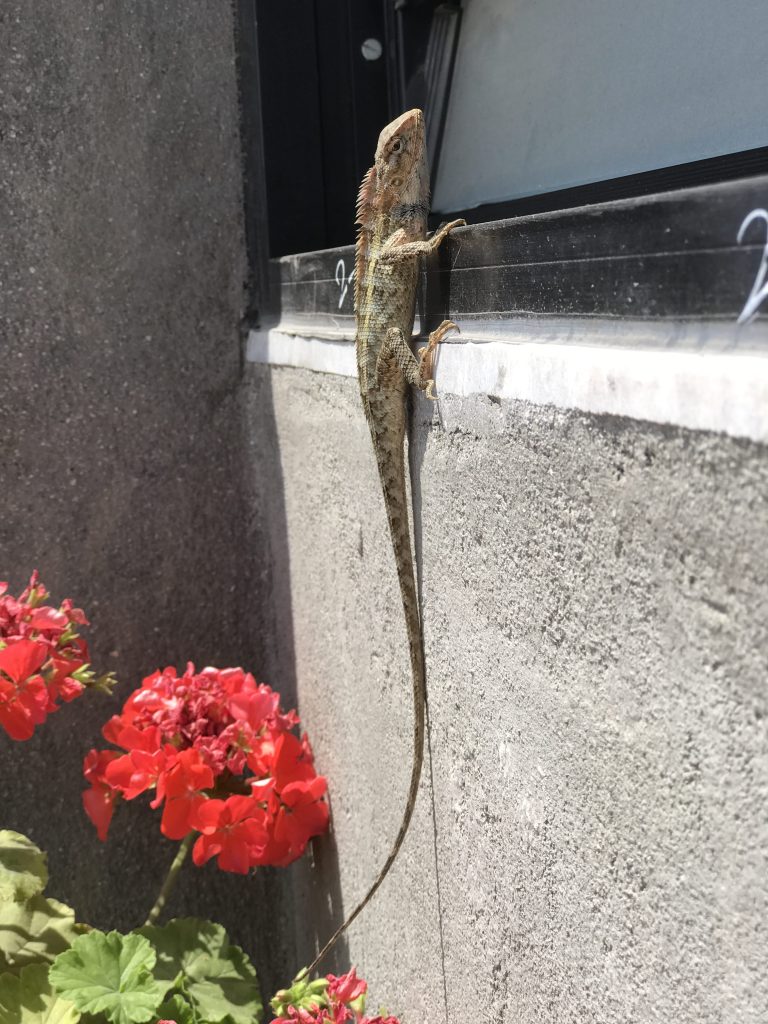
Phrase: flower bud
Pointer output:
(302, 995)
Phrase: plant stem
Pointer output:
(170, 878)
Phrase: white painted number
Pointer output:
(760, 288)
(343, 281)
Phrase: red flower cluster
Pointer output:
(328, 1000)
(218, 752)
(42, 658)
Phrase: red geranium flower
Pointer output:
(342, 999)
(215, 745)
(99, 801)
(347, 987)
(182, 785)
(42, 658)
(136, 771)
(23, 700)
(298, 811)
(235, 829)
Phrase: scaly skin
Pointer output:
(392, 214)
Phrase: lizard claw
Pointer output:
(426, 354)
(440, 332)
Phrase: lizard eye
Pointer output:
(397, 145)
(397, 182)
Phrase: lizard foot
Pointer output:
(427, 354)
(445, 229)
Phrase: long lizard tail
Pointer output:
(392, 475)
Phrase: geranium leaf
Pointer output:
(28, 998)
(217, 978)
(176, 1009)
(23, 870)
(34, 932)
(110, 974)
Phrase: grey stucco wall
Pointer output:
(590, 840)
(122, 457)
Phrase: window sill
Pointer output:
(628, 309)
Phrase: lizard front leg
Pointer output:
(396, 248)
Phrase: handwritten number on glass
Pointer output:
(343, 281)
(760, 288)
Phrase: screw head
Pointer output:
(371, 49)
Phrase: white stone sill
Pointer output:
(704, 376)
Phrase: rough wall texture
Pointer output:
(121, 455)
(590, 844)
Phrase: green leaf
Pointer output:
(178, 1009)
(23, 870)
(110, 974)
(34, 932)
(217, 978)
(29, 999)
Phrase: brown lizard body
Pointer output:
(392, 216)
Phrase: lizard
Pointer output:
(392, 209)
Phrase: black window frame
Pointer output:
(680, 282)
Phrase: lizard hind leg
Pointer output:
(418, 372)
(395, 349)
(427, 355)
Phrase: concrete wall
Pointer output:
(123, 465)
(590, 840)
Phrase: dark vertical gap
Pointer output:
(257, 290)
(349, 63)
(392, 57)
(332, 44)
(369, 79)
(324, 141)
(352, 103)
(402, 85)
(292, 125)
(322, 188)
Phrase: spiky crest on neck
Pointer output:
(366, 200)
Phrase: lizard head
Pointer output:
(402, 175)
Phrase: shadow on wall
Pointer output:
(177, 548)
(300, 905)
(129, 474)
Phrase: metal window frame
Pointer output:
(634, 247)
